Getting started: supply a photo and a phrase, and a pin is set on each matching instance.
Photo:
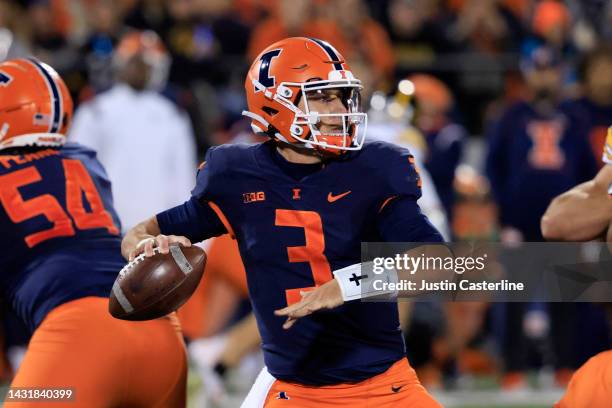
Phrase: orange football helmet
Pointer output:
(297, 68)
(35, 105)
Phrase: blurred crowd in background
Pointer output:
(505, 103)
(473, 46)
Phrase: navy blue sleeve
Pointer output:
(399, 217)
(401, 175)
(401, 220)
(193, 219)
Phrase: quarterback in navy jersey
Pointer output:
(299, 207)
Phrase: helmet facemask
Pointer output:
(306, 125)
(348, 126)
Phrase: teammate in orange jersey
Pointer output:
(299, 206)
(591, 385)
(60, 255)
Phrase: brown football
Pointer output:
(148, 288)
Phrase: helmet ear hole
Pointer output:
(270, 111)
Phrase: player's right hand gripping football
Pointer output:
(162, 242)
(146, 236)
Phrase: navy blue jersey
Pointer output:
(293, 233)
(60, 235)
(531, 160)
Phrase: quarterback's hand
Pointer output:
(160, 241)
(326, 296)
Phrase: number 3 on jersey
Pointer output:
(78, 182)
(312, 252)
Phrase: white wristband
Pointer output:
(358, 281)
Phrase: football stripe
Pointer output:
(120, 296)
(180, 259)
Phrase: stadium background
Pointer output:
(441, 77)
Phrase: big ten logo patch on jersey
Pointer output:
(297, 193)
(545, 152)
(253, 197)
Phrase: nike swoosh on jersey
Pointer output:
(331, 198)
